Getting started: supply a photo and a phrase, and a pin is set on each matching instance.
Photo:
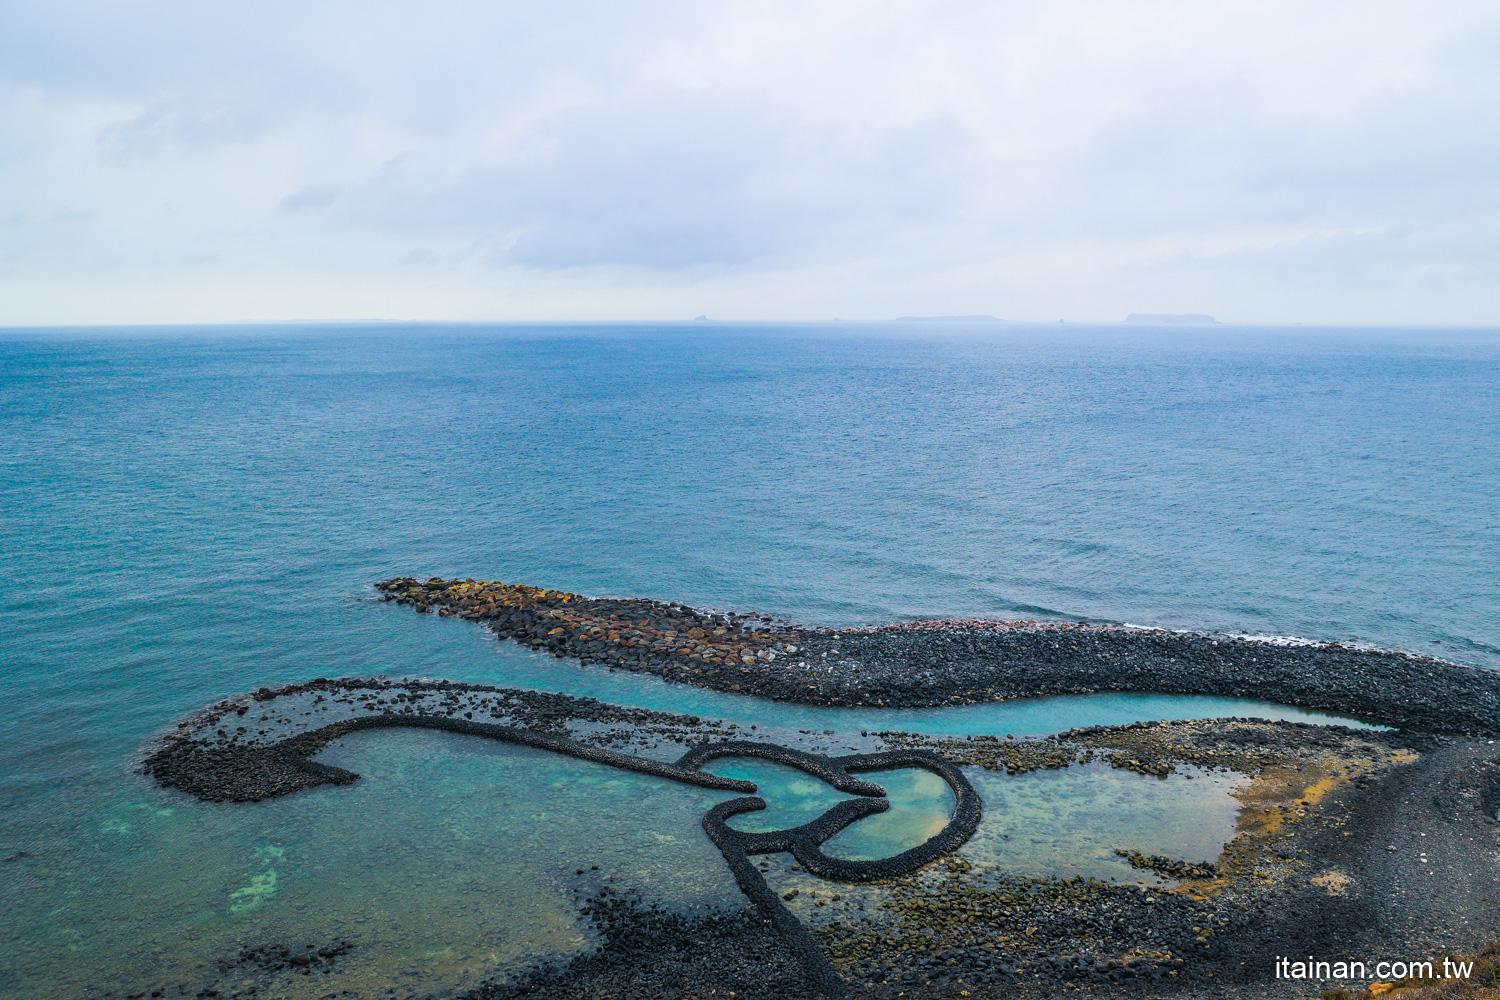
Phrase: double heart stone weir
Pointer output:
(250, 773)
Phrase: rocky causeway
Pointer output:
(1348, 841)
(932, 663)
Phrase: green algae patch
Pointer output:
(248, 897)
(261, 887)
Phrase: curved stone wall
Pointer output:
(251, 773)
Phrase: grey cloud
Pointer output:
(165, 129)
(316, 196)
(686, 183)
(954, 145)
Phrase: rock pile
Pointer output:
(962, 662)
(1169, 867)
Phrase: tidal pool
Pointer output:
(516, 666)
(1051, 823)
(921, 803)
(1069, 822)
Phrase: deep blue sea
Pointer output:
(187, 514)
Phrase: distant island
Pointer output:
(948, 319)
(1198, 318)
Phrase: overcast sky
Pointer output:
(1260, 161)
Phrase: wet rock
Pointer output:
(1169, 867)
(649, 951)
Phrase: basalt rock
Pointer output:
(1169, 867)
(225, 771)
(931, 663)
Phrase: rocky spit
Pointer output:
(962, 662)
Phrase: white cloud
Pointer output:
(1260, 161)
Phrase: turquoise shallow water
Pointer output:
(188, 514)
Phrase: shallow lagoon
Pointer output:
(455, 860)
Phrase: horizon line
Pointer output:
(905, 322)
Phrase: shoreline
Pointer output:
(938, 663)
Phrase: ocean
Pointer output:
(187, 514)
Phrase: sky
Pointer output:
(1262, 162)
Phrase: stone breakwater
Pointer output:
(253, 747)
(251, 774)
(226, 769)
(805, 842)
(934, 663)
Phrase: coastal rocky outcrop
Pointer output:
(931, 663)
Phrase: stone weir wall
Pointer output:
(962, 662)
(230, 772)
